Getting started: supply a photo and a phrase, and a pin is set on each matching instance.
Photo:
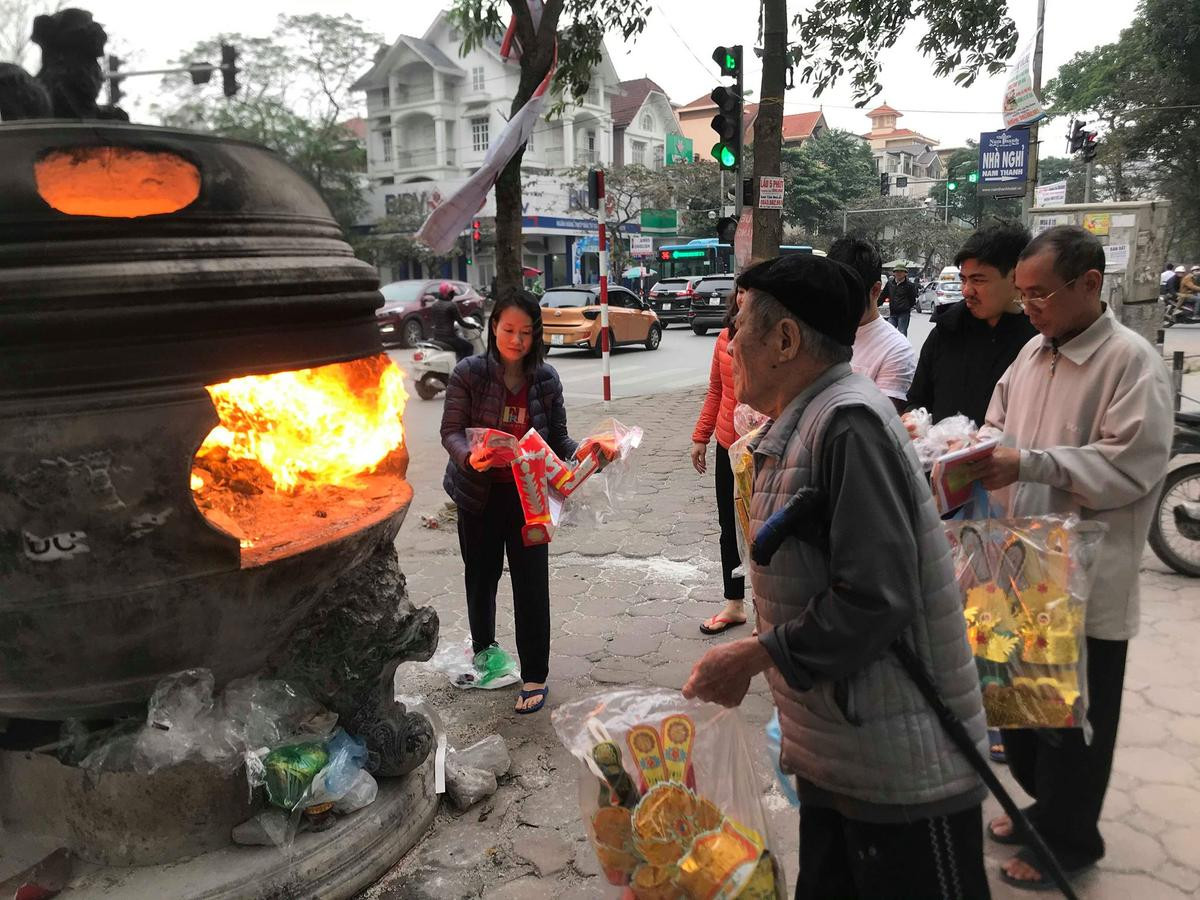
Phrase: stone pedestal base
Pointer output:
(331, 865)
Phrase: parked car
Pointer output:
(948, 290)
(405, 317)
(709, 303)
(571, 318)
(671, 298)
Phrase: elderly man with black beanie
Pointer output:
(889, 807)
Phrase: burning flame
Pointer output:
(324, 425)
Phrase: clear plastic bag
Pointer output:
(774, 749)
(934, 440)
(487, 670)
(1025, 585)
(741, 460)
(669, 797)
(747, 419)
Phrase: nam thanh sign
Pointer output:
(1003, 163)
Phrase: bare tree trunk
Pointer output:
(536, 52)
(768, 126)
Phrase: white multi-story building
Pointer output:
(432, 114)
(907, 155)
(642, 117)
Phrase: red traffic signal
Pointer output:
(476, 230)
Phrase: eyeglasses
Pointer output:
(1040, 302)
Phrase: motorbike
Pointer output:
(1175, 528)
(433, 361)
(1179, 310)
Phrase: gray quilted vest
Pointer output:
(870, 736)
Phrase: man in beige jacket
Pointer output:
(1087, 419)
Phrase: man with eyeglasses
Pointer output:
(1087, 419)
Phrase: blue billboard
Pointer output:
(1003, 163)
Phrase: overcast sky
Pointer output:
(674, 50)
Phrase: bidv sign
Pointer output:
(1003, 163)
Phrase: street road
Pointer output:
(682, 361)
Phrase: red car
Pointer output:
(405, 317)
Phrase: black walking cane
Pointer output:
(803, 517)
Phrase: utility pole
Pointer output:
(1031, 185)
(1087, 183)
(768, 126)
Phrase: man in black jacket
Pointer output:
(976, 340)
(445, 316)
(902, 295)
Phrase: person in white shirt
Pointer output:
(881, 352)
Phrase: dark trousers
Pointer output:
(735, 588)
(462, 347)
(927, 859)
(900, 322)
(483, 539)
(1067, 778)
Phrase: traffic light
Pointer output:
(952, 185)
(729, 59)
(727, 123)
(476, 236)
(901, 182)
(1077, 136)
(1090, 145)
(885, 184)
(229, 69)
(114, 81)
(593, 189)
(973, 177)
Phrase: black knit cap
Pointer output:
(827, 295)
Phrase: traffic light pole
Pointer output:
(741, 141)
(601, 216)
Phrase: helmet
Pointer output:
(1196, 268)
(1180, 270)
(446, 290)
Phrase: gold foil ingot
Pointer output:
(613, 826)
(719, 863)
(656, 883)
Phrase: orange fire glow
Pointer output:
(309, 426)
(116, 182)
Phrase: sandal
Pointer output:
(1010, 839)
(1043, 882)
(541, 692)
(722, 623)
(996, 746)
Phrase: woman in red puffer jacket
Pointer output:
(717, 414)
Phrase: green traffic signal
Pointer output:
(729, 59)
(724, 154)
(952, 185)
(973, 177)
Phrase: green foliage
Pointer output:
(1142, 90)
(903, 231)
(822, 176)
(295, 92)
(966, 204)
(963, 36)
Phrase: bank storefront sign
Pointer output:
(1003, 163)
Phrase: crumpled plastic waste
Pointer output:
(186, 721)
(309, 779)
(489, 669)
(472, 773)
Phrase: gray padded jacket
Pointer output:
(869, 736)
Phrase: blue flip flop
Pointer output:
(542, 692)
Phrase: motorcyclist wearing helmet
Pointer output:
(445, 316)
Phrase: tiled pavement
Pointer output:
(626, 599)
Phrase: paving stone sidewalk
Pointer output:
(626, 600)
